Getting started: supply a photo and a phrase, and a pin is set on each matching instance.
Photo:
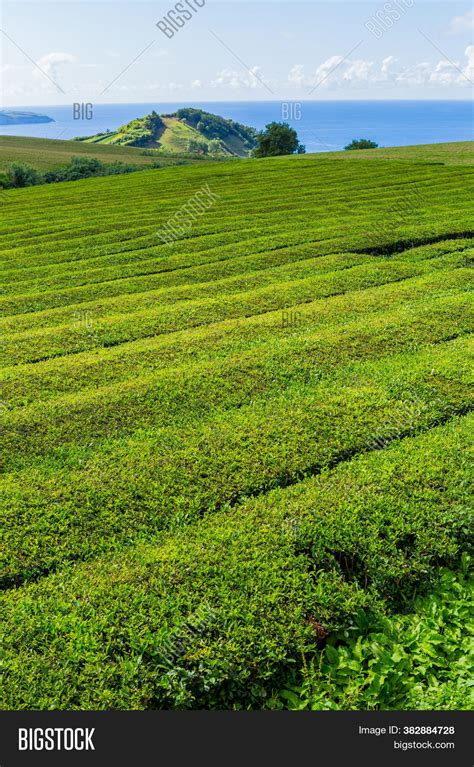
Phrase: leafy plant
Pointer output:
(419, 660)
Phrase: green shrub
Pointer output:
(21, 174)
(85, 167)
(78, 167)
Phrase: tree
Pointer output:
(278, 139)
(361, 143)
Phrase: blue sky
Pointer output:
(59, 52)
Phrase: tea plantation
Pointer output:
(229, 450)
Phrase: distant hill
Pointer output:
(187, 130)
(11, 117)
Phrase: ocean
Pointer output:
(323, 126)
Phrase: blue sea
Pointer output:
(323, 126)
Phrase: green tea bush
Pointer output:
(362, 536)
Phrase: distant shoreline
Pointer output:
(19, 117)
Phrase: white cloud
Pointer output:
(359, 71)
(468, 70)
(336, 72)
(444, 73)
(323, 75)
(51, 65)
(296, 75)
(460, 25)
(326, 70)
(415, 75)
(233, 79)
(196, 85)
(386, 71)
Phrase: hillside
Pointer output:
(227, 455)
(50, 154)
(187, 130)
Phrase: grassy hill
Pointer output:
(51, 154)
(226, 454)
(184, 131)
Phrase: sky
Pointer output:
(102, 51)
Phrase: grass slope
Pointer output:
(176, 135)
(255, 429)
(50, 154)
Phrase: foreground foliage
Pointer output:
(419, 660)
(232, 599)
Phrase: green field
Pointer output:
(227, 455)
